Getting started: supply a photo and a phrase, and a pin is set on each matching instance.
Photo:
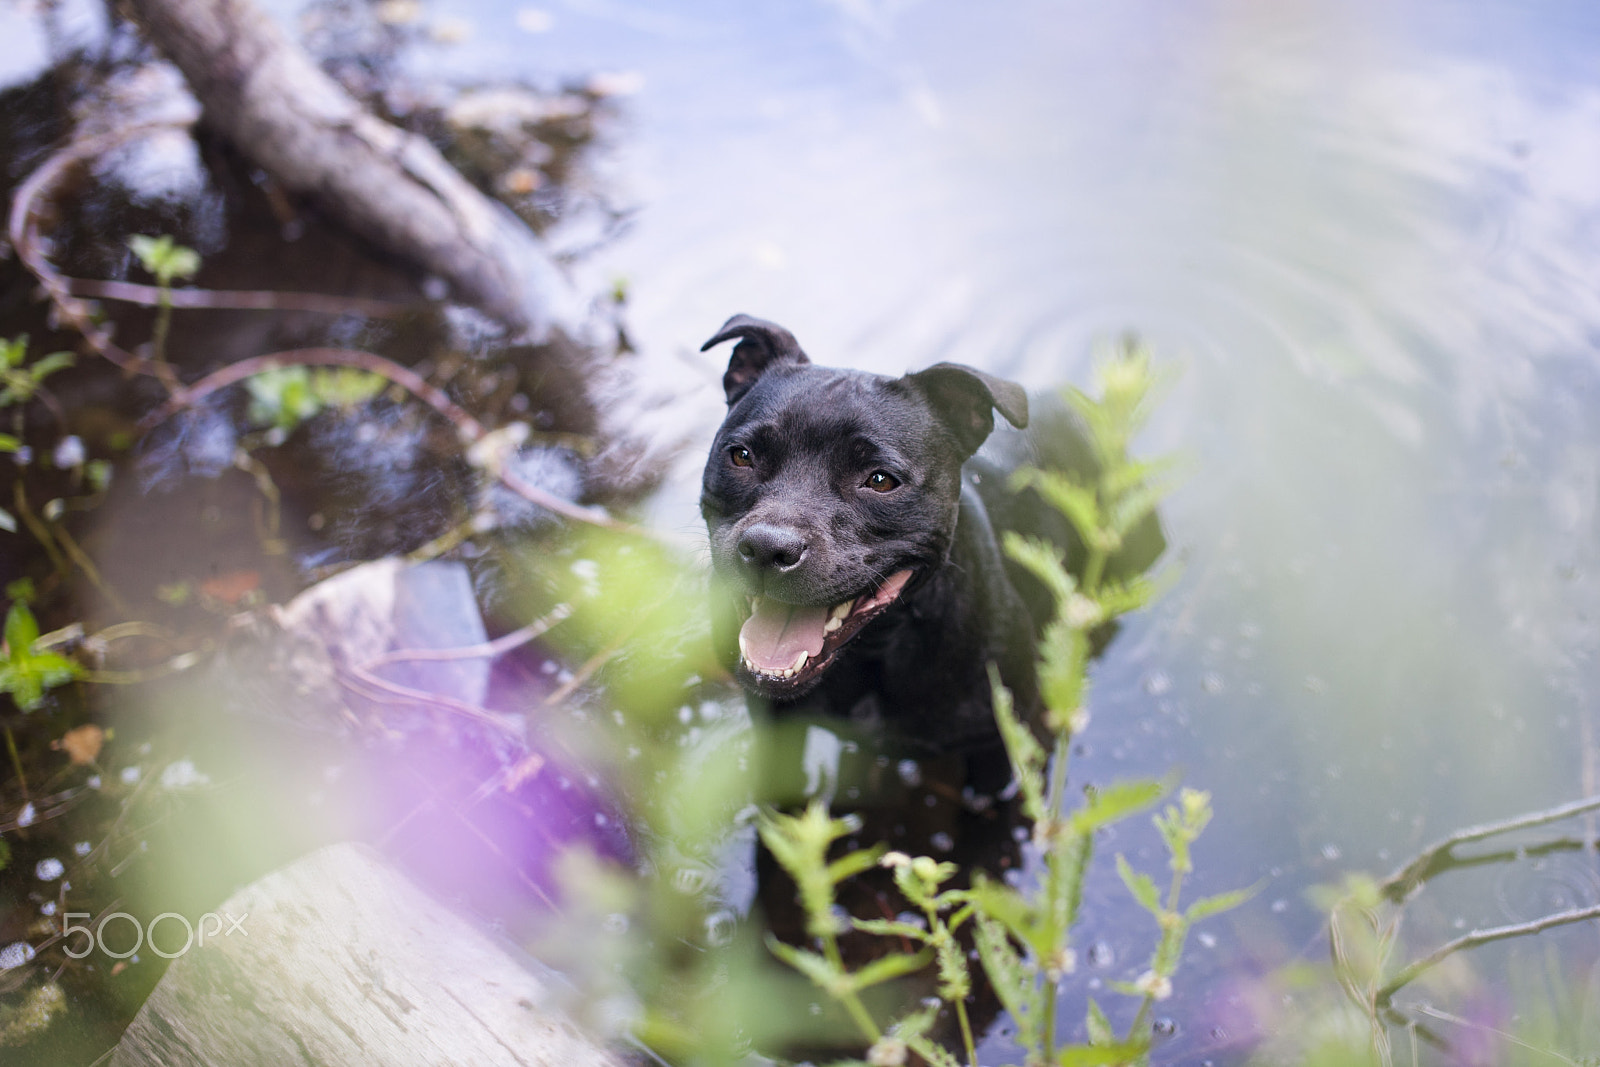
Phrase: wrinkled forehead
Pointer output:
(825, 405)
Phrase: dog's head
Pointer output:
(829, 492)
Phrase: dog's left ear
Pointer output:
(966, 399)
(763, 344)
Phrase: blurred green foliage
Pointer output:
(26, 673)
(284, 397)
(1024, 939)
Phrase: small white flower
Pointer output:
(887, 1052)
(1083, 613)
(1153, 985)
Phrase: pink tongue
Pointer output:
(775, 634)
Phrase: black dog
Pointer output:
(854, 531)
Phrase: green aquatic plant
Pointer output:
(20, 380)
(27, 672)
(284, 397)
(1024, 938)
(168, 261)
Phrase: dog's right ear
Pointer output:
(763, 344)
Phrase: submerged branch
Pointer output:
(1410, 972)
(1436, 857)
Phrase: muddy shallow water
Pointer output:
(1366, 236)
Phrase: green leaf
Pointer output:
(1011, 982)
(1076, 502)
(819, 969)
(1043, 560)
(47, 365)
(1101, 1055)
(1206, 907)
(9, 443)
(1142, 886)
(1099, 1027)
(21, 630)
(1027, 756)
(853, 864)
(888, 968)
(1117, 801)
(5, 854)
(890, 928)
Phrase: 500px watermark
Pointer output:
(194, 934)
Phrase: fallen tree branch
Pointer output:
(262, 92)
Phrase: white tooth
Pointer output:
(832, 624)
(842, 611)
(744, 653)
(799, 661)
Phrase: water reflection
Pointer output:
(1367, 235)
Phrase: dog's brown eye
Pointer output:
(882, 482)
(741, 456)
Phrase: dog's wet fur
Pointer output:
(855, 535)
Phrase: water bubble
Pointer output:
(28, 815)
(130, 775)
(47, 908)
(1207, 939)
(1280, 906)
(1330, 852)
(1211, 682)
(910, 772)
(48, 870)
(69, 452)
(1100, 954)
(720, 927)
(1157, 682)
(1164, 1027)
(941, 841)
(615, 923)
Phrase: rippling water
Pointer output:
(1365, 232)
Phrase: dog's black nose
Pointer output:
(778, 547)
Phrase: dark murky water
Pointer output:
(1367, 236)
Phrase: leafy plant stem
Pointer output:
(16, 761)
(36, 527)
(850, 999)
(158, 336)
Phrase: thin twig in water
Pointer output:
(186, 396)
(23, 231)
(1481, 937)
(380, 688)
(1405, 881)
(486, 650)
(234, 299)
(468, 429)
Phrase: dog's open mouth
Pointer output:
(785, 647)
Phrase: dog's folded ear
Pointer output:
(966, 399)
(763, 344)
